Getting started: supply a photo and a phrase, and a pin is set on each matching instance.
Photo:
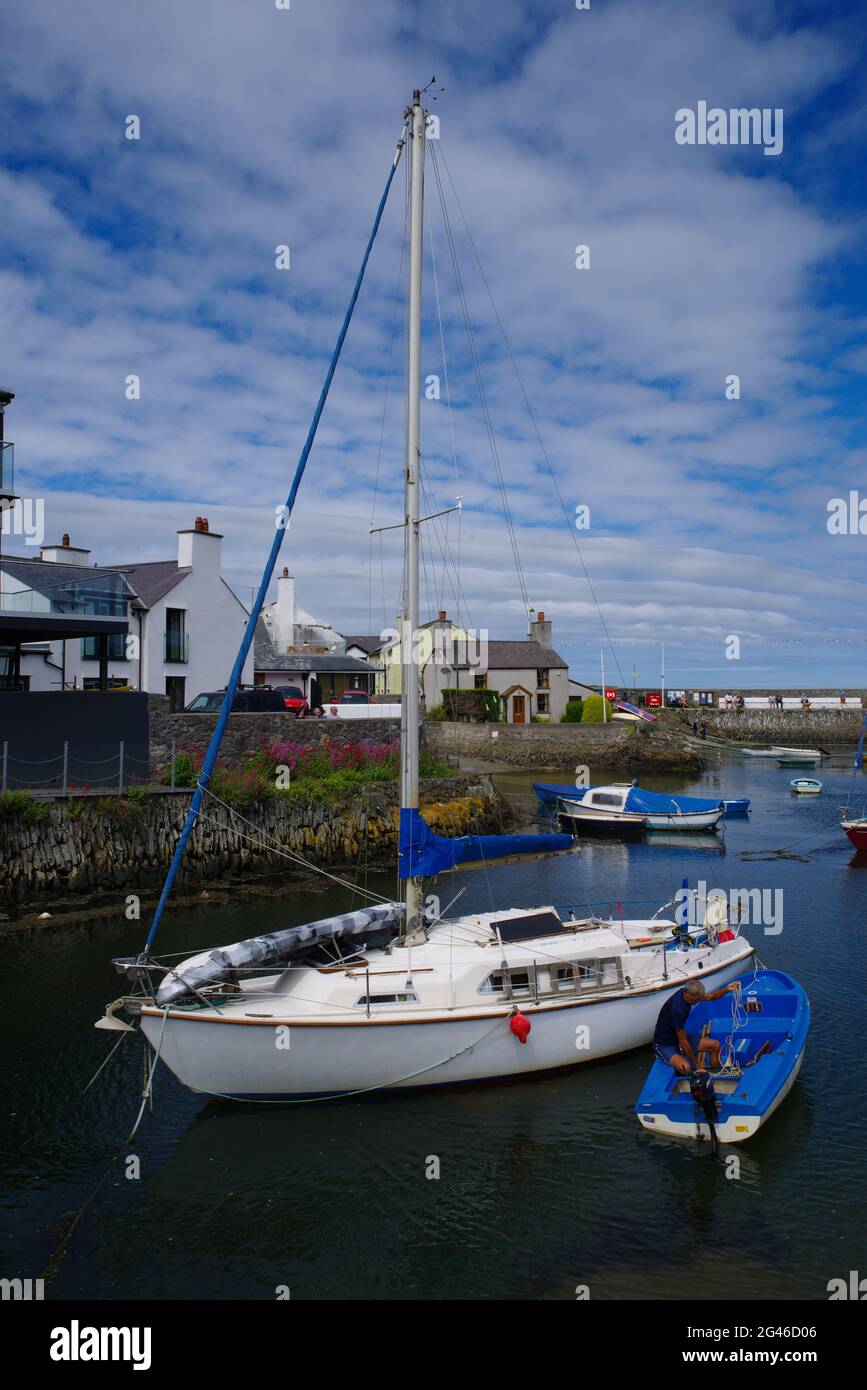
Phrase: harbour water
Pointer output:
(543, 1186)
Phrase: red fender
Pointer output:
(520, 1026)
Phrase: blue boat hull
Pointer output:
(756, 1085)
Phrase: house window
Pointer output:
(176, 641)
(480, 682)
(542, 678)
(543, 702)
(175, 686)
(116, 647)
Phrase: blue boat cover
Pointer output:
(422, 854)
(638, 799)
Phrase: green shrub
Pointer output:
(573, 712)
(14, 804)
(592, 710)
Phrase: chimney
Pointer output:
(65, 553)
(199, 549)
(284, 612)
(540, 630)
(442, 617)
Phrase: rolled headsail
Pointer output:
(275, 947)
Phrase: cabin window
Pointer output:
(508, 982)
(607, 799)
(406, 996)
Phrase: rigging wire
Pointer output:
(545, 456)
(480, 386)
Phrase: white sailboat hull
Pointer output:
(258, 1058)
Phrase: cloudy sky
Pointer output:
(262, 127)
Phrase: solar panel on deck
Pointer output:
(536, 924)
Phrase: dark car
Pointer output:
(294, 700)
(250, 699)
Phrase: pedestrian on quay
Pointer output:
(704, 728)
(842, 699)
(695, 728)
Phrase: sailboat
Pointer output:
(394, 995)
(856, 827)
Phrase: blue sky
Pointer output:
(260, 127)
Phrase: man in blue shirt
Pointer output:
(670, 1042)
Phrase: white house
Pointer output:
(292, 628)
(531, 678)
(292, 648)
(185, 623)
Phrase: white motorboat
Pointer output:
(791, 756)
(394, 996)
(629, 807)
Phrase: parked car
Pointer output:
(249, 699)
(294, 700)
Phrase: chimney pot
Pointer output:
(65, 538)
(541, 618)
(442, 617)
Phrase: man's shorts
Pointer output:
(665, 1052)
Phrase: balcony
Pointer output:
(7, 460)
(176, 647)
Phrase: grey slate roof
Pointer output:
(266, 658)
(522, 656)
(152, 579)
(367, 644)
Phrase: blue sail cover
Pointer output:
(638, 799)
(422, 854)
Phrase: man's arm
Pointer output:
(726, 989)
(686, 1047)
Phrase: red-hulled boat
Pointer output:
(857, 832)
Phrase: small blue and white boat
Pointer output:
(634, 808)
(643, 801)
(806, 786)
(762, 1030)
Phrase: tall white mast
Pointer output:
(410, 664)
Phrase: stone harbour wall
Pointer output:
(103, 844)
(246, 732)
(616, 745)
(780, 726)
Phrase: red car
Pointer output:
(293, 699)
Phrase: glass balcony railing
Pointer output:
(7, 461)
(93, 595)
(176, 646)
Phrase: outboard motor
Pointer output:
(704, 1095)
